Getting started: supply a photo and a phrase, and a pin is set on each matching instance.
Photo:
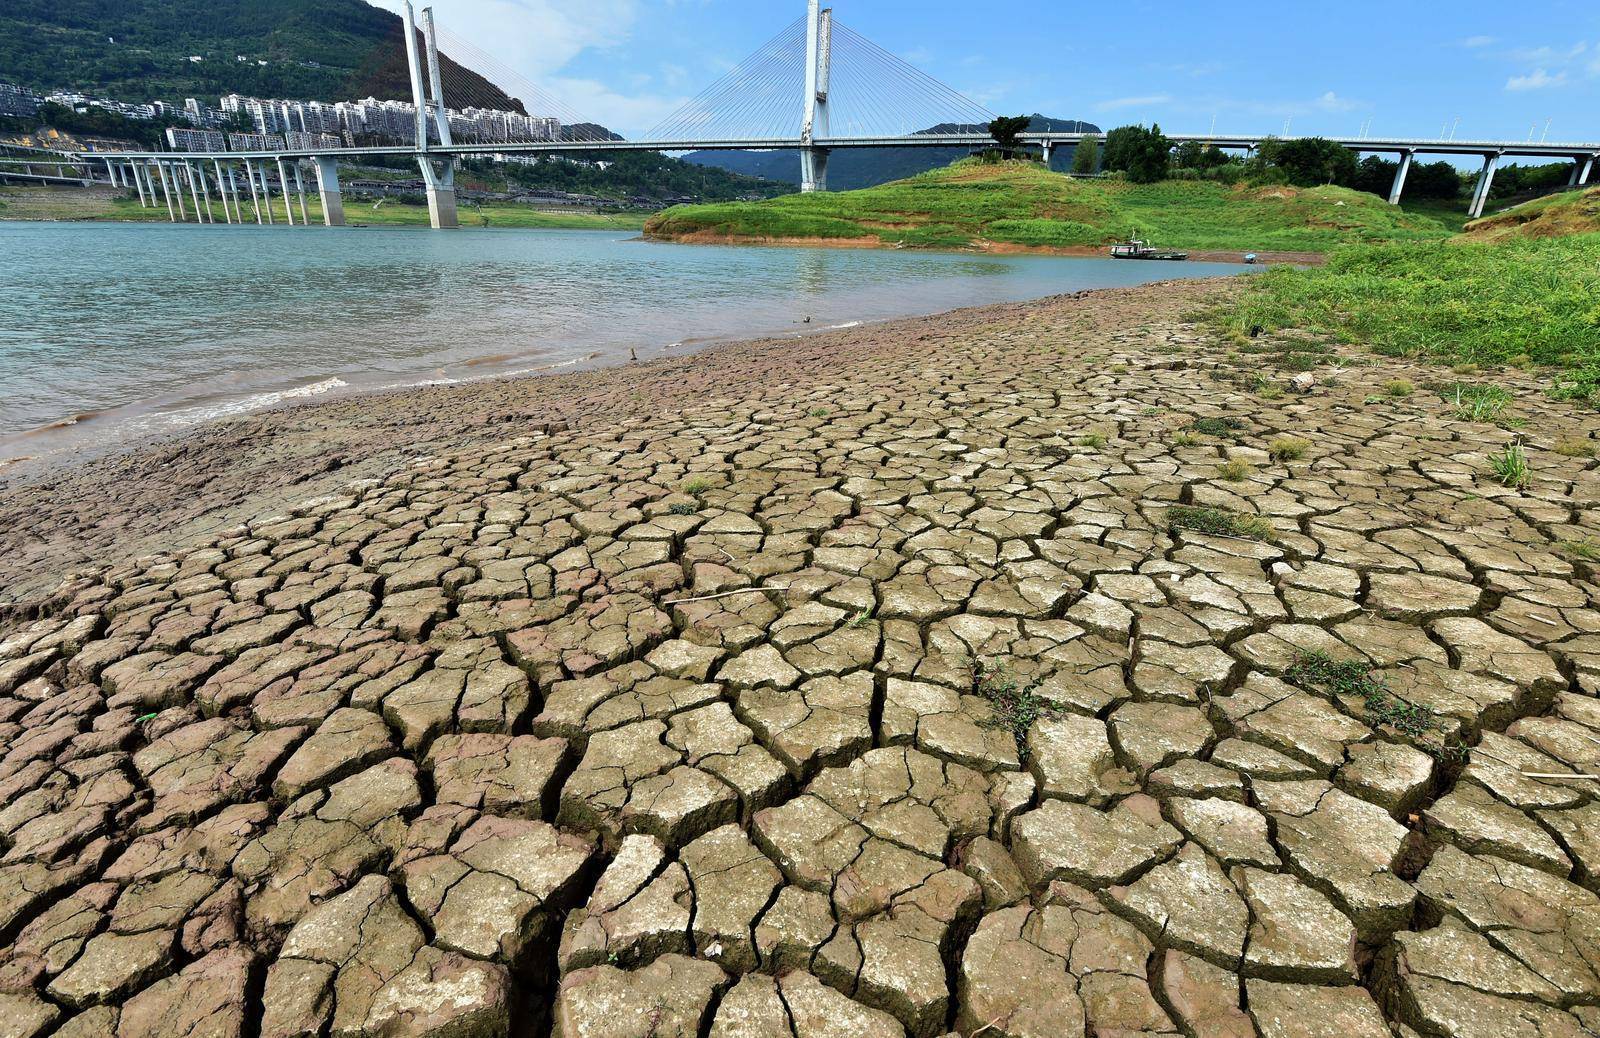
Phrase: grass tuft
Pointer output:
(1585, 549)
(1218, 521)
(1511, 466)
(1400, 387)
(696, 486)
(1235, 471)
(1288, 448)
(1353, 679)
(1477, 402)
(1092, 440)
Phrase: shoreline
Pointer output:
(144, 496)
(982, 247)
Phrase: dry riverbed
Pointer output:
(1024, 671)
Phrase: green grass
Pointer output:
(1476, 401)
(1381, 707)
(1288, 448)
(1463, 302)
(1021, 203)
(1511, 466)
(1218, 521)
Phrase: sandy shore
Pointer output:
(1022, 671)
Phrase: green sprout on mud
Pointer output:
(1016, 706)
(1288, 448)
(1092, 440)
(1574, 447)
(1399, 388)
(1183, 439)
(682, 508)
(1218, 521)
(1474, 402)
(697, 486)
(819, 412)
(1511, 466)
(862, 618)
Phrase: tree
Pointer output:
(1086, 155)
(1311, 161)
(1006, 129)
(1375, 175)
(1434, 180)
(1189, 155)
(1144, 154)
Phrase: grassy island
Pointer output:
(1023, 205)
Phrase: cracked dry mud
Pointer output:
(669, 725)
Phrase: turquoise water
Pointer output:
(135, 329)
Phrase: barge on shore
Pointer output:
(1136, 248)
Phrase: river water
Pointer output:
(113, 331)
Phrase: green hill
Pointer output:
(139, 50)
(1552, 216)
(1022, 204)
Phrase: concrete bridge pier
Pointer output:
(266, 193)
(1581, 168)
(283, 187)
(1480, 194)
(328, 187)
(300, 190)
(111, 173)
(205, 190)
(194, 193)
(1045, 147)
(138, 182)
(813, 169)
(255, 199)
(441, 191)
(166, 192)
(1400, 177)
(222, 190)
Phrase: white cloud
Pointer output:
(1475, 42)
(1538, 79)
(536, 38)
(629, 114)
(1549, 55)
(1117, 103)
(1332, 102)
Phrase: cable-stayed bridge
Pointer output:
(814, 88)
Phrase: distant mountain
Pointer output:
(849, 169)
(141, 50)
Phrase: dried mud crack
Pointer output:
(867, 685)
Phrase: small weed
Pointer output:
(1465, 369)
(1522, 362)
(1372, 398)
(1150, 412)
(819, 412)
(1235, 471)
(697, 486)
(1218, 521)
(1216, 426)
(1270, 393)
(1511, 466)
(1350, 678)
(1183, 439)
(1575, 447)
(1400, 387)
(1288, 448)
(683, 508)
(1091, 440)
(861, 619)
(1585, 549)
(1016, 707)
(1477, 402)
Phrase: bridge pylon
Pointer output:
(439, 181)
(819, 47)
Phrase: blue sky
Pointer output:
(1396, 67)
